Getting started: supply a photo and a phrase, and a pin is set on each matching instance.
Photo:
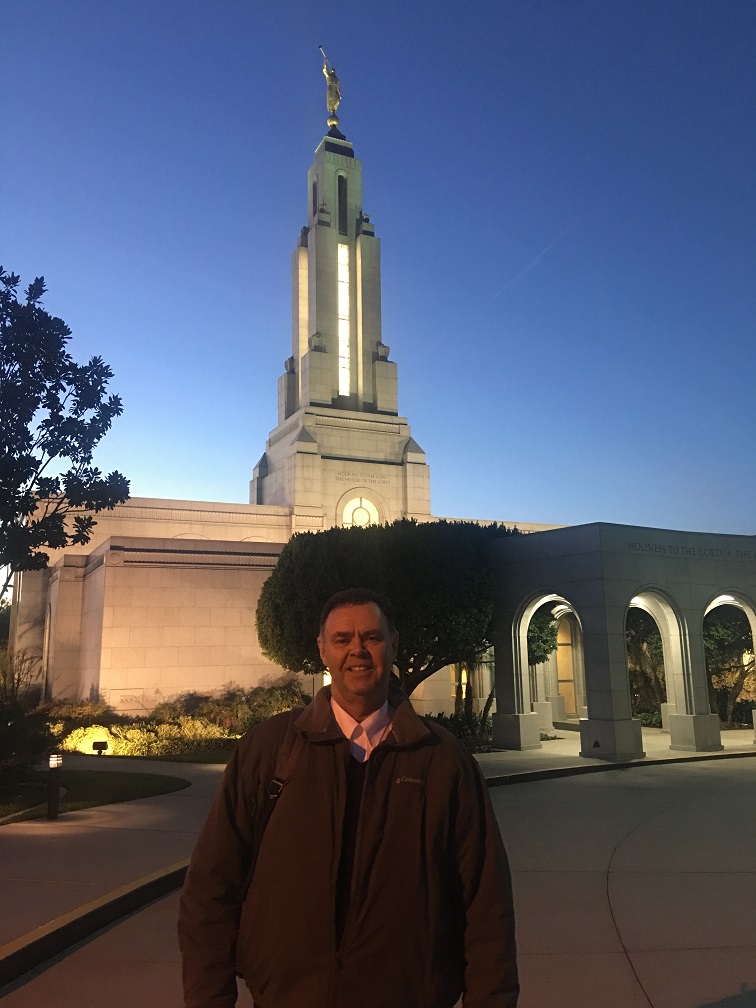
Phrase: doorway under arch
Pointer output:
(645, 665)
(675, 650)
(556, 686)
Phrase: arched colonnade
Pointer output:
(590, 576)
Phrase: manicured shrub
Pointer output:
(81, 739)
(234, 709)
(191, 722)
(145, 738)
(82, 713)
(184, 703)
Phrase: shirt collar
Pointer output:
(373, 726)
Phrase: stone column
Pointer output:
(694, 728)
(515, 726)
(609, 732)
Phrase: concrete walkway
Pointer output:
(633, 887)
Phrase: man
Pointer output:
(381, 879)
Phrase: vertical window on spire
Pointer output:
(343, 309)
(342, 183)
(315, 198)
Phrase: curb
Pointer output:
(36, 947)
(575, 771)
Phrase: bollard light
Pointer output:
(53, 785)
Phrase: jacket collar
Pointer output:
(319, 725)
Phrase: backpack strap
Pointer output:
(289, 754)
(287, 759)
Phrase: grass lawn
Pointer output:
(84, 789)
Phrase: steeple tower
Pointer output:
(340, 450)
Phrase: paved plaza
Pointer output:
(634, 887)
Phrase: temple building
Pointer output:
(162, 599)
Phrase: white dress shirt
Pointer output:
(365, 735)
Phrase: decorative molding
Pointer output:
(123, 512)
(379, 426)
(179, 558)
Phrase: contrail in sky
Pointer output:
(530, 266)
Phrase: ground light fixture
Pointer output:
(53, 785)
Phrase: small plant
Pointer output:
(649, 718)
(20, 678)
(473, 729)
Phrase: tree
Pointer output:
(437, 574)
(4, 622)
(53, 414)
(645, 661)
(542, 636)
(729, 650)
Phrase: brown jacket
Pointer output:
(431, 906)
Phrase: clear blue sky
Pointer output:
(564, 194)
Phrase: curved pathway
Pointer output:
(633, 888)
(637, 887)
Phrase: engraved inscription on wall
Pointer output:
(366, 478)
(692, 552)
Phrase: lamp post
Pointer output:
(53, 785)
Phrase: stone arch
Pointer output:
(663, 609)
(734, 596)
(541, 693)
(737, 598)
(369, 502)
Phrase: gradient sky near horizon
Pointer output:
(564, 193)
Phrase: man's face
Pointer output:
(358, 649)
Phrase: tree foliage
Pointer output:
(24, 738)
(645, 661)
(729, 651)
(53, 414)
(542, 636)
(437, 574)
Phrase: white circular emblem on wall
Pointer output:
(360, 511)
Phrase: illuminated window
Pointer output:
(343, 305)
(360, 511)
(342, 198)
